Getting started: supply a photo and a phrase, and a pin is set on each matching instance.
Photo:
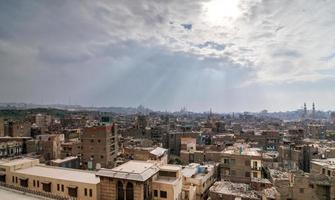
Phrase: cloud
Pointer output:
(168, 53)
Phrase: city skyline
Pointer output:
(230, 56)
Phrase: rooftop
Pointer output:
(274, 173)
(131, 170)
(197, 171)
(329, 162)
(61, 174)
(158, 151)
(235, 189)
(20, 161)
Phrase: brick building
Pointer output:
(99, 146)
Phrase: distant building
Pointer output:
(199, 176)
(13, 146)
(48, 145)
(2, 127)
(240, 164)
(172, 140)
(99, 146)
(17, 128)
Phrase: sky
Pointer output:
(228, 55)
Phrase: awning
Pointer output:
(23, 179)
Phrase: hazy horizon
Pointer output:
(231, 56)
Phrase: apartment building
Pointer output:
(241, 163)
(17, 128)
(199, 176)
(167, 183)
(99, 146)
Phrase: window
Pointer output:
(16, 179)
(254, 174)
(247, 163)
(163, 194)
(247, 174)
(130, 191)
(232, 161)
(46, 187)
(62, 188)
(72, 191)
(301, 190)
(255, 165)
(34, 183)
(85, 191)
(101, 156)
(311, 185)
(323, 171)
(120, 193)
(91, 192)
(92, 140)
(226, 160)
(155, 193)
(328, 172)
(38, 183)
(13, 179)
(58, 188)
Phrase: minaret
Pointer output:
(313, 111)
(305, 111)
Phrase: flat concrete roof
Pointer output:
(61, 174)
(6, 162)
(131, 170)
(329, 162)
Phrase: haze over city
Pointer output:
(241, 55)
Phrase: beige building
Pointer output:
(199, 176)
(59, 182)
(167, 184)
(141, 180)
(131, 180)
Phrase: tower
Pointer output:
(313, 111)
(304, 115)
